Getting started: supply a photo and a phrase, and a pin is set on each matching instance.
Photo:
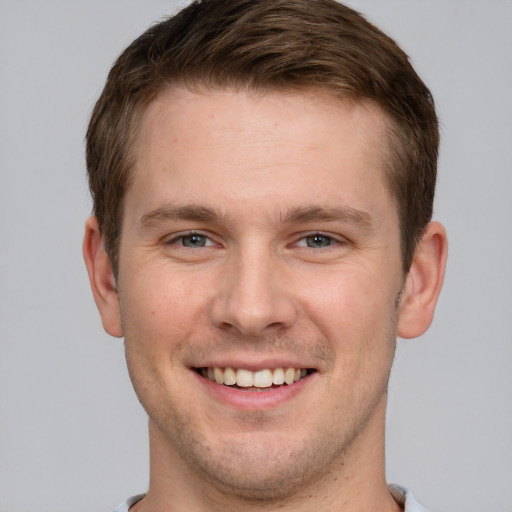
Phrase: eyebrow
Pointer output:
(320, 213)
(298, 215)
(185, 212)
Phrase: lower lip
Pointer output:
(254, 400)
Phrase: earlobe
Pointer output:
(423, 283)
(101, 277)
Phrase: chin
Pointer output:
(264, 479)
(263, 468)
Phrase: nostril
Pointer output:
(275, 325)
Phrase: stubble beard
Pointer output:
(262, 472)
(265, 473)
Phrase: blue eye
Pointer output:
(318, 241)
(194, 241)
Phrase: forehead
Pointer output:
(282, 146)
(298, 107)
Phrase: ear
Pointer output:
(102, 279)
(423, 282)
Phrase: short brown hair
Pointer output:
(267, 45)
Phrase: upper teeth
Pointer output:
(259, 379)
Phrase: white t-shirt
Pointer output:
(401, 495)
(124, 507)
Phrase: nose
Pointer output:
(253, 298)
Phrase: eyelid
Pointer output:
(337, 239)
(176, 237)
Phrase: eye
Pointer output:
(192, 240)
(316, 241)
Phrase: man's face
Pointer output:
(259, 236)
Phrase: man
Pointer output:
(263, 175)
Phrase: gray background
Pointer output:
(72, 435)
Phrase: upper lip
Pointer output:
(252, 365)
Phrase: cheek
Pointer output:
(356, 314)
(351, 300)
(158, 318)
(160, 310)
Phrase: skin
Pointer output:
(297, 263)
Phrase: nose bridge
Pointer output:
(251, 298)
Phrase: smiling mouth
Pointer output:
(247, 379)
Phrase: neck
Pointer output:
(356, 483)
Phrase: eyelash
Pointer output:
(332, 240)
(176, 239)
